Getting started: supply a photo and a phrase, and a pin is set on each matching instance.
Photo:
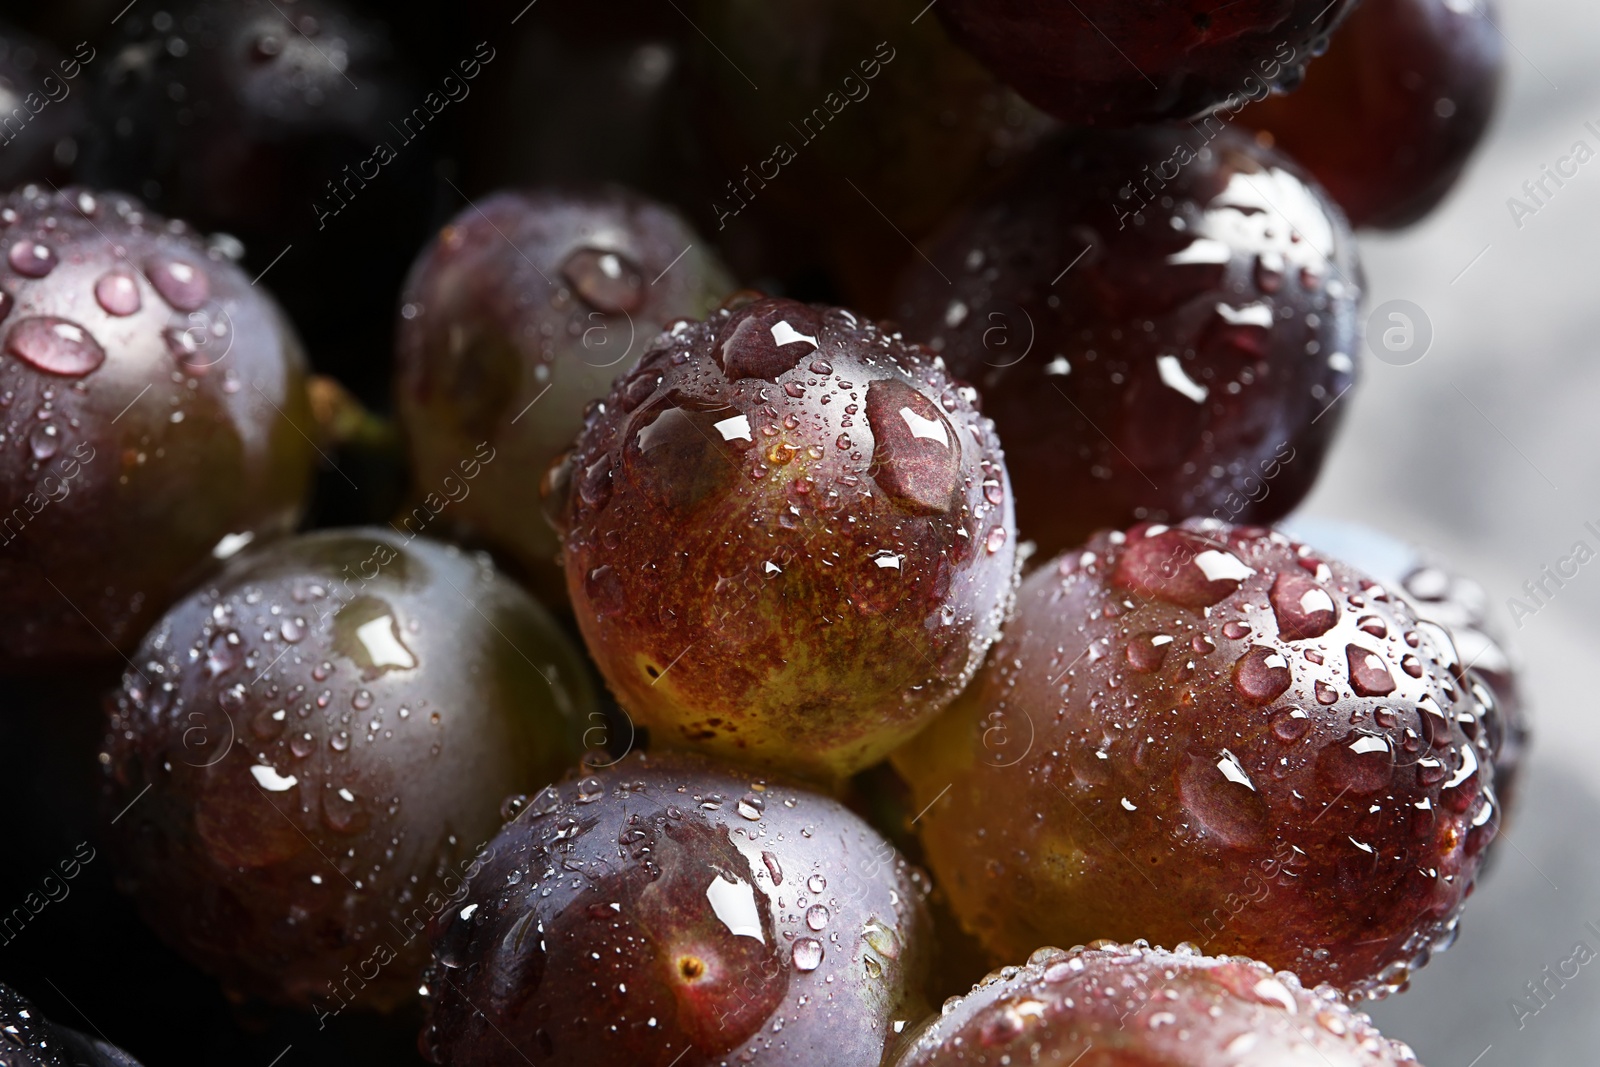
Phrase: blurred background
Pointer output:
(1486, 449)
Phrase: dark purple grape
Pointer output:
(307, 752)
(520, 313)
(690, 914)
(28, 1039)
(1389, 117)
(153, 419)
(1220, 736)
(1112, 1005)
(1116, 63)
(1161, 323)
(788, 537)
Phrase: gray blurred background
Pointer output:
(1488, 450)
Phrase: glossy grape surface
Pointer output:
(788, 537)
(1112, 1005)
(690, 914)
(1119, 62)
(1221, 737)
(1161, 322)
(1460, 605)
(307, 752)
(520, 313)
(1389, 117)
(153, 419)
(28, 1039)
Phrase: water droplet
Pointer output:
(1303, 608)
(817, 916)
(1371, 624)
(32, 259)
(222, 654)
(995, 541)
(1262, 674)
(816, 883)
(1290, 725)
(595, 487)
(340, 742)
(1147, 652)
(362, 700)
(1218, 793)
(916, 454)
(512, 806)
(182, 285)
(590, 790)
(1179, 567)
(882, 939)
(117, 292)
(55, 346)
(750, 807)
(605, 281)
(807, 954)
(366, 632)
(1369, 676)
(1359, 763)
(766, 339)
(268, 722)
(603, 588)
(44, 440)
(292, 631)
(343, 813)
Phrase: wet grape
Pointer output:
(1112, 1005)
(1300, 778)
(1113, 63)
(697, 915)
(153, 420)
(1162, 322)
(28, 1039)
(1389, 117)
(788, 537)
(307, 752)
(523, 310)
(1442, 596)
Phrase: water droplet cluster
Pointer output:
(707, 925)
(1150, 347)
(145, 388)
(1228, 738)
(1148, 1006)
(525, 308)
(788, 536)
(312, 747)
